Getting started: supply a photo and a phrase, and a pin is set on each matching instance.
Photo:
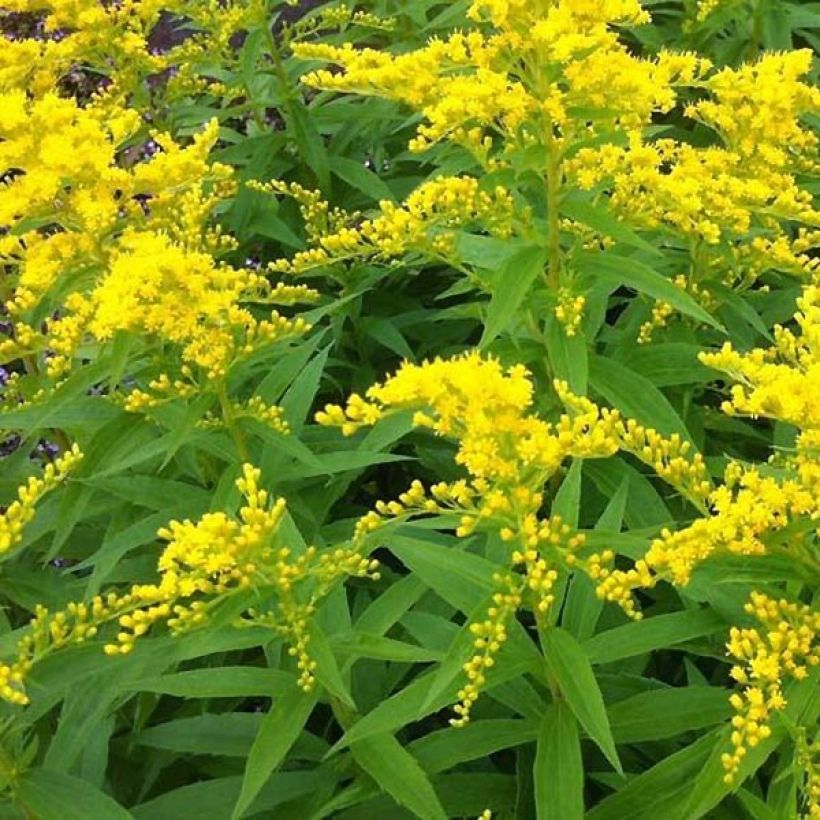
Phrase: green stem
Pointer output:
(230, 422)
(30, 364)
(553, 224)
(279, 67)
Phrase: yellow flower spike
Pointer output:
(202, 564)
(21, 511)
(421, 223)
(788, 638)
(490, 635)
(509, 454)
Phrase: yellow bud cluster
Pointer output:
(785, 646)
(270, 415)
(203, 563)
(21, 511)
(161, 389)
(489, 636)
(282, 294)
(319, 218)
(661, 313)
(807, 757)
(670, 459)
(754, 510)
(569, 311)
(424, 222)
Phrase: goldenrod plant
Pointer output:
(409, 409)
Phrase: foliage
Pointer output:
(409, 409)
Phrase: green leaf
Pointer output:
(567, 501)
(602, 220)
(669, 781)
(644, 636)
(583, 607)
(460, 578)
(279, 730)
(514, 281)
(385, 332)
(361, 178)
(49, 795)
(231, 734)
(568, 356)
(219, 682)
(216, 797)
(628, 271)
(572, 672)
(391, 605)
(327, 671)
(644, 509)
(446, 748)
(307, 139)
(392, 713)
(558, 774)
(668, 364)
(635, 396)
(364, 645)
(398, 773)
(487, 252)
(298, 400)
(663, 713)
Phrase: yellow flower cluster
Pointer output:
(509, 454)
(519, 80)
(786, 645)
(425, 222)
(113, 40)
(753, 511)
(127, 249)
(20, 512)
(270, 415)
(490, 635)
(203, 564)
(779, 382)
(719, 193)
(663, 311)
(341, 16)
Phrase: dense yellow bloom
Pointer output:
(719, 193)
(20, 512)
(756, 108)
(549, 90)
(204, 563)
(112, 40)
(472, 86)
(129, 249)
(780, 382)
(509, 454)
(751, 512)
(785, 645)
